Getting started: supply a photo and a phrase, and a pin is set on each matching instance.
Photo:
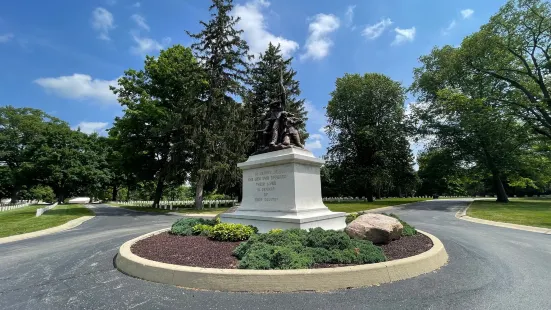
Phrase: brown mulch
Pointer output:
(200, 251)
(407, 246)
(193, 251)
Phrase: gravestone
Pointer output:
(282, 190)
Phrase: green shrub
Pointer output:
(231, 232)
(295, 248)
(265, 256)
(202, 230)
(351, 217)
(408, 229)
(184, 227)
(327, 239)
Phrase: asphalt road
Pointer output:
(489, 268)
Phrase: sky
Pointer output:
(60, 56)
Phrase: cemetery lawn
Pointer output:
(181, 210)
(529, 211)
(24, 220)
(350, 207)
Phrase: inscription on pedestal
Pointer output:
(267, 183)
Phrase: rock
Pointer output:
(376, 228)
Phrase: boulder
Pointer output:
(377, 228)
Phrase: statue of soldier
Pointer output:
(273, 120)
(291, 135)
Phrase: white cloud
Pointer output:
(323, 129)
(111, 2)
(350, 15)
(145, 45)
(447, 30)
(255, 28)
(91, 127)
(318, 42)
(79, 86)
(6, 37)
(404, 35)
(315, 136)
(467, 13)
(313, 145)
(137, 5)
(140, 21)
(372, 32)
(103, 22)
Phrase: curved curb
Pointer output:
(71, 224)
(239, 280)
(462, 215)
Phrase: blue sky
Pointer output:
(61, 55)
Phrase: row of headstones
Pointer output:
(340, 199)
(170, 205)
(18, 205)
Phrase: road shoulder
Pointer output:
(462, 215)
(69, 225)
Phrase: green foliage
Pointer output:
(408, 229)
(43, 193)
(184, 227)
(231, 232)
(351, 217)
(295, 249)
(369, 152)
(202, 230)
(219, 138)
(266, 256)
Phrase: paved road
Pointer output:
(489, 268)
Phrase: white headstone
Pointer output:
(282, 189)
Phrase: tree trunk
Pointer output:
(199, 192)
(498, 187)
(159, 190)
(128, 193)
(378, 196)
(14, 193)
(369, 194)
(115, 193)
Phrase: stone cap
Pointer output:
(285, 156)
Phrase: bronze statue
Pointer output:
(291, 136)
(279, 126)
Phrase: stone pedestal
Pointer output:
(282, 189)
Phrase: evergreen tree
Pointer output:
(265, 80)
(220, 135)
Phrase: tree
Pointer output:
(266, 86)
(155, 135)
(365, 127)
(460, 111)
(220, 136)
(22, 133)
(513, 51)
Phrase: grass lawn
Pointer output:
(24, 220)
(182, 210)
(530, 212)
(363, 206)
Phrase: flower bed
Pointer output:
(206, 243)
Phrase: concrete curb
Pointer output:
(462, 215)
(239, 280)
(71, 224)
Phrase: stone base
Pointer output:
(282, 190)
(266, 221)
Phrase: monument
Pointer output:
(281, 180)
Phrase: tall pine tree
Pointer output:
(220, 135)
(265, 80)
